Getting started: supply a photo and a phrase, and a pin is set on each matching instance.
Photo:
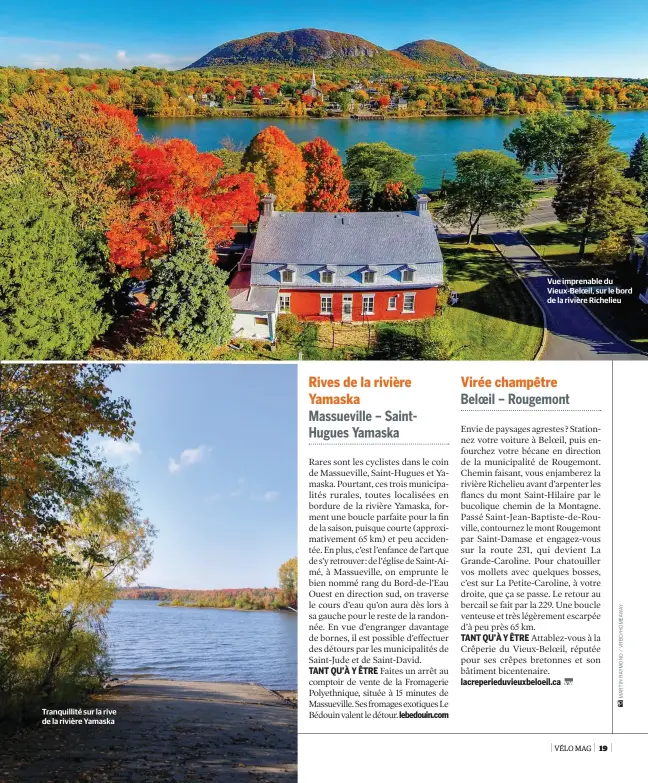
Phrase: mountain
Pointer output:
(441, 56)
(307, 46)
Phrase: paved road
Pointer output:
(541, 213)
(572, 331)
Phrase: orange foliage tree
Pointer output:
(79, 146)
(327, 189)
(169, 175)
(278, 166)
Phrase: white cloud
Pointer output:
(120, 451)
(86, 58)
(270, 496)
(121, 56)
(188, 457)
(39, 61)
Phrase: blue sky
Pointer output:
(561, 37)
(214, 460)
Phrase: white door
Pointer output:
(347, 307)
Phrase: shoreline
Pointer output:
(373, 117)
(164, 730)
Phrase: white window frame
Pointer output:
(393, 299)
(368, 273)
(407, 271)
(406, 298)
(323, 298)
(327, 272)
(286, 301)
(290, 272)
(368, 298)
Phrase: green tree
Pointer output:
(370, 166)
(190, 292)
(542, 140)
(593, 188)
(638, 167)
(47, 414)
(109, 544)
(49, 297)
(487, 183)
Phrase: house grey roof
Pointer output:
(347, 243)
(246, 298)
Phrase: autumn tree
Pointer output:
(487, 183)
(47, 414)
(394, 197)
(109, 544)
(79, 146)
(190, 292)
(49, 298)
(169, 175)
(288, 581)
(370, 166)
(593, 188)
(327, 189)
(542, 140)
(278, 167)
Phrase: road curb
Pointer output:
(594, 316)
(545, 331)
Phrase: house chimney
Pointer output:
(422, 204)
(268, 204)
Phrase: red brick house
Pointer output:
(348, 267)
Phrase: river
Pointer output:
(212, 645)
(434, 141)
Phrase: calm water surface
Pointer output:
(434, 141)
(210, 645)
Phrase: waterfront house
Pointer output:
(353, 267)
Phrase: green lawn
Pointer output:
(549, 192)
(558, 242)
(495, 318)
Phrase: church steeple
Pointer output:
(313, 82)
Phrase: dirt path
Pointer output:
(165, 731)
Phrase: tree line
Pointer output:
(281, 90)
(248, 598)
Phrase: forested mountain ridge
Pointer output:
(311, 46)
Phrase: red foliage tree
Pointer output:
(174, 174)
(394, 197)
(327, 189)
(278, 166)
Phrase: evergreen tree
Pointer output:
(593, 189)
(49, 298)
(190, 292)
(638, 168)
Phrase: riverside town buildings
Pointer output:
(353, 267)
